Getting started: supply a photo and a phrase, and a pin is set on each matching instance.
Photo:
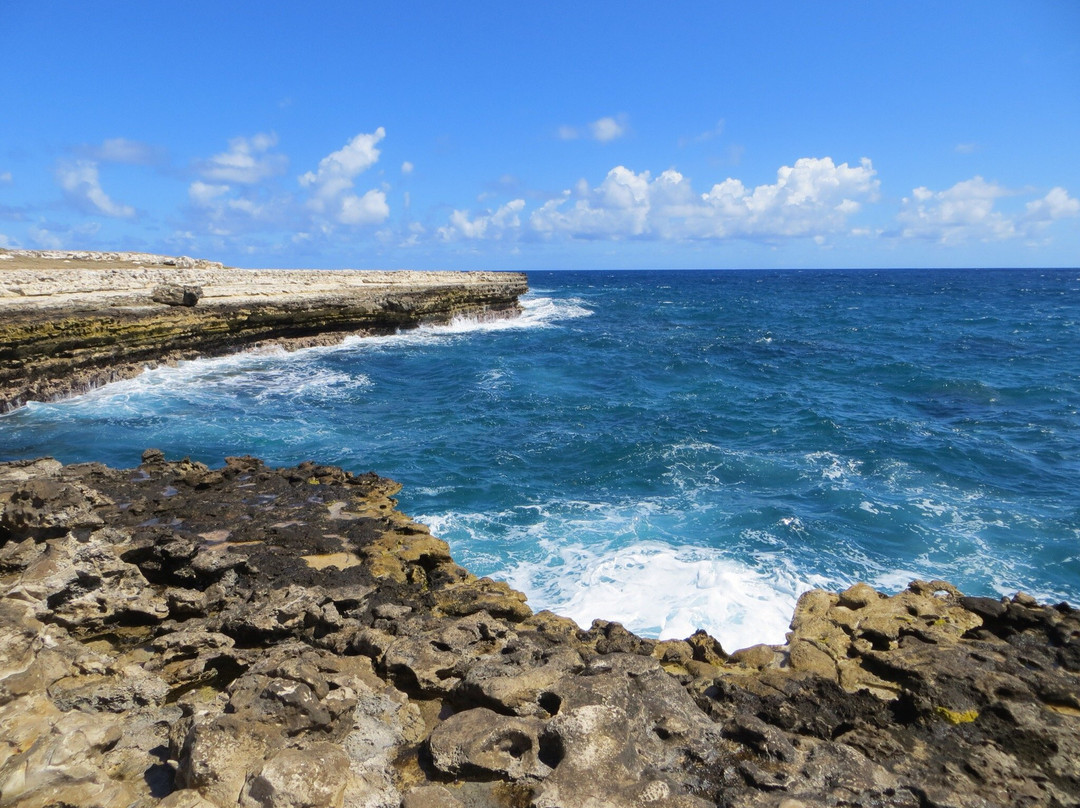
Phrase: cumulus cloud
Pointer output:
(602, 130)
(5, 178)
(248, 161)
(332, 184)
(1057, 204)
(968, 211)
(489, 225)
(82, 187)
(813, 197)
(371, 208)
(407, 167)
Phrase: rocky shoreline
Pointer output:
(71, 321)
(188, 637)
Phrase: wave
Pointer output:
(655, 589)
(270, 373)
(662, 591)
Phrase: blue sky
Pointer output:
(545, 135)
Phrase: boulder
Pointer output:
(176, 294)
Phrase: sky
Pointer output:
(552, 135)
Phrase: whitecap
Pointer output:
(662, 591)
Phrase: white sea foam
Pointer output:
(262, 377)
(273, 371)
(663, 591)
(653, 588)
(833, 467)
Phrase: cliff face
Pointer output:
(67, 327)
(180, 636)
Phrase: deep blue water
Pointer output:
(677, 449)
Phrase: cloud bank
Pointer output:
(815, 196)
(968, 212)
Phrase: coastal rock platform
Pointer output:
(190, 637)
(70, 321)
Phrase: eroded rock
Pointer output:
(184, 636)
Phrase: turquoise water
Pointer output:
(677, 450)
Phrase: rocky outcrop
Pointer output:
(191, 637)
(69, 324)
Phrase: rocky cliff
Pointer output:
(70, 321)
(189, 637)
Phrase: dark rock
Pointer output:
(176, 295)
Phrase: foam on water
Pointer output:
(273, 372)
(662, 591)
(653, 588)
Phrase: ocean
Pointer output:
(676, 450)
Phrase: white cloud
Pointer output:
(1057, 204)
(82, 186)
(203, 194)
(813, 197)
(248, 161)
(966, 148)
(607, 129)
(488, 225)
(407, 167)
(603, 130)
(45, 239)
(5, 241)
(967, 211)
(371, 208)
(332, 185)
(122, 150)
(5, 178)
(339, 167)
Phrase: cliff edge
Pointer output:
(70, 321)
(190, 637)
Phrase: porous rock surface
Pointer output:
(70, 321)
(190, 637)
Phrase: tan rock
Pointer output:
(313, 777)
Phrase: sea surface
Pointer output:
(676, 450)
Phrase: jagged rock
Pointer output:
(624, 733)
(431, 797)
(186, 650)
(480, 741)
(44, 508)
(86, 586)
(314, 777)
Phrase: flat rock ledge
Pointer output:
(68, 324)
(190, 637)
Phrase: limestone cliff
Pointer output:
(189, 637)
(71, 323)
